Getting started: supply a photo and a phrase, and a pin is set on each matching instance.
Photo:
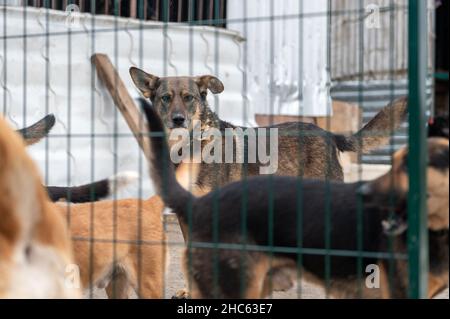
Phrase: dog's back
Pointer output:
(34, 244)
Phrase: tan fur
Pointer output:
(35, 248)
(128, 249)
(437, 184)
(437, 283)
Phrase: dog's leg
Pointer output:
(258, 285)
(146, 268)
(119, 286)
(436, 284)
(197, 191)
(151, 285)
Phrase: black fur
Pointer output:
(163, 173)
(439, 127)
(80, 194)
(439, 160)
(38, 130)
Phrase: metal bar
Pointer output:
(106, 6)
(133, 7)
(200, 10)
(180, 10)
(222, 12)
(145, 9)
(211, 11)
(168, 4)
(417, 157)
(157, 10)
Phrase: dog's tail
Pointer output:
(33, 133)
(94, 191)
(162, 170)
(378, 131)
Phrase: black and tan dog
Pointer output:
(76, 194)
(217, 266)
(304, 149)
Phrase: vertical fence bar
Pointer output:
(157, 5)
(211, 13)
(200, 10)
(417, 158)
(133, 8)
(145, 10)
(180, 11)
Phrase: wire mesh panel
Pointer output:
(233, 149)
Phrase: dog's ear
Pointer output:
(210, 82)
(145, 82)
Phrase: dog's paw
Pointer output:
(181, 294)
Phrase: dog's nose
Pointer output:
(178, 120)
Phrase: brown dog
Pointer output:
(35, 248)
(120, 245)
(226, 262)
(304, 149)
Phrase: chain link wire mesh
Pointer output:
(268, 70)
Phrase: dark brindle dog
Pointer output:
(249, 269)
(304, 149)
(76, 194)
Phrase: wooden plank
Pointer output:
(107, 73)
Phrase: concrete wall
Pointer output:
(44, 69)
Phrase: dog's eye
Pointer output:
(188, 98)
(165, 98)
(203, 95)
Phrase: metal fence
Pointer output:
(154, 10)
(52, 69)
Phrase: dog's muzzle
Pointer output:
(178, 120)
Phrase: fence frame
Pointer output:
(417, 155)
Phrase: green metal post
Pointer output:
(417, 158)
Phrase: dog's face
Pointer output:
(35, 246)
(392, 187)
(178, 100)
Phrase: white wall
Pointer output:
(285, 59)
(69, 160)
